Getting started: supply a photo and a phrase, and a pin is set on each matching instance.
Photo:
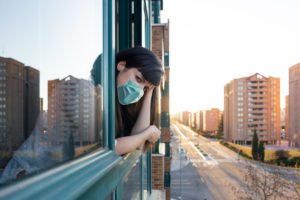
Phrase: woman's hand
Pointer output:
(153, 133)
(149, 90)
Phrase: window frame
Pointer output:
(97, 175)
(58, 182)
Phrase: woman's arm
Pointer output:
(130, 143)
(141, 131)
(143, 120)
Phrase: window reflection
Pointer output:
(74, 111)
(50, 111)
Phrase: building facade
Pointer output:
(252, 103)
(294, 105)
(211, 120)
(186, 118)
(196, 124)
(19, 102)
(72, 111)
(161, 164)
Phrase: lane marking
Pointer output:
(208, 159)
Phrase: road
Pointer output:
(216, 167)
(203, 169)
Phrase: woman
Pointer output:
(138, 72)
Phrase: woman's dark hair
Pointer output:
(150, 66)
(141, 58)
(96, 71)
(145, 61)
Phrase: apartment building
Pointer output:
(207, 121)
(294, 105)
(211, 120)
(19, 102)
(74, 111)
(197, 123)
(186, 118)
(252, 103)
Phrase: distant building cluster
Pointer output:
(253, 104)
(204, 121)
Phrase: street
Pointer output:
(215, 166)
(203, 169)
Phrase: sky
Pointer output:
(215, 41)
(58, 38)
(211, 42)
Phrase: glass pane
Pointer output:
(145, 175)
(131, 183)
(50, 98)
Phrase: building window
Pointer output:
(240, 114)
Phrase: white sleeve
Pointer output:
(116, 141)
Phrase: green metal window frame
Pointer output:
(98, 175)
(142, 20)
(78, 178)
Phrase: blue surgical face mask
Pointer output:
(129, 93)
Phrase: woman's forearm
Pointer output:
(143, 120)
(130, 143)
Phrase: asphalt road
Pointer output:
(202, 168)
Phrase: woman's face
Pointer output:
(131, 73)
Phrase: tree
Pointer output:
(265, 182)
(69, 148)
(282, 156)
(261, 151)
(255, 146)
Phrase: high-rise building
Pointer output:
(19, 102)
(32, 97)
(294, 105)
(252, 103)
(208, 120)
(211, 119)
(74, 111)
(186, 118)
(196, 124)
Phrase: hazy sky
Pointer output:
(211, 42)
(57, 37)
(215, 41)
